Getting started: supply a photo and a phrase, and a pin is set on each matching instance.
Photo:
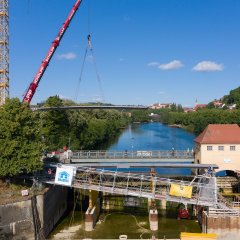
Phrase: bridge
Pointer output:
(82, 107)
(126, 159)
(202, 190)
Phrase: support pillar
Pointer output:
(93, 211)
(164, 202)
(153, 213)
(153, 219)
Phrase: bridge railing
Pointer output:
(179, 154)
(201, 190)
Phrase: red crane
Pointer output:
(34, 84)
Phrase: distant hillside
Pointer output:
(233, 97)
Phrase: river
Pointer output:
(153, 136)
(133, 221)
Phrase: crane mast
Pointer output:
(34, 84)
(4, 51)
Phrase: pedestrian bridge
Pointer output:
(202, 190)
(127, 159)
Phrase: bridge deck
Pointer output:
(202, 190)
(130, 158)
(127, 155)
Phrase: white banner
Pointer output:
(64, 175)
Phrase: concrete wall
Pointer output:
(226, 227)
(225, 159)
(16, 219)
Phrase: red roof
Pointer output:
(200, 106)
(220, 134)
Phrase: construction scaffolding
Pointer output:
(4, 51)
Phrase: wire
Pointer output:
(145, 230)
(89, 47)
(76, 199)
(98, 76)
(81, 73)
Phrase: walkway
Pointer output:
(201, 190)
(128, 159)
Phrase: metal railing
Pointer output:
(203, 189)
(178, 154)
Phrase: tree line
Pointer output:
(26, 134)
(197, 121)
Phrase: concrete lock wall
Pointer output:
(226, 227)
(16, 219)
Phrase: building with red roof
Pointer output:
(219, 144)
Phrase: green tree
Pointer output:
(20, 139)
(55, 125)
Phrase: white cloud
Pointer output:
(175, 64)
(153, 64)
(208, 66)
(66, 56)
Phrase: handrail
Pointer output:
(152, 154)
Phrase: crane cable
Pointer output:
(81, 73)
(96, 69)
(90, 48)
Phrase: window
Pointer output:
(209, 148)
(221, 148)
(232, 148)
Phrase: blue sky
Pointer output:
(146, 51)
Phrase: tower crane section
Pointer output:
(4, 51)
(34, 84)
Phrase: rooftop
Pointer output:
(220, 134)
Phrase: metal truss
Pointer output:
(204, 191)
(4, 51)
(203, 188)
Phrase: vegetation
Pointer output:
(233, 97)
(20, 139)
(198, 121)
(25, 134)
(82, 129)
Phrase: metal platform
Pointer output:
(203, 188)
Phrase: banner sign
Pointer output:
(180, 191)
(64, 175)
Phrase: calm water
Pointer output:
(154, 136)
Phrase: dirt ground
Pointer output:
(11, 192)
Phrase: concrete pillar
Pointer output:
(164, 202)
(93, 211)
(194, 210)
(153, 219)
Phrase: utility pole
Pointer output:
(4, 51)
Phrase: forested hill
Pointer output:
(233, 97)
